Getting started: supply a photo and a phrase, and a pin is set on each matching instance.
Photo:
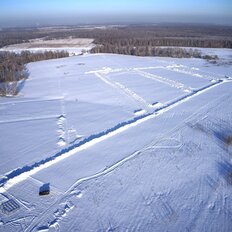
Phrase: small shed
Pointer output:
(44, 189)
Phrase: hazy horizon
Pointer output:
(56, 12)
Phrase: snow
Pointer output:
(3, 199)
(126, 144)
(71, 50)
(74, 46)
(149, 89)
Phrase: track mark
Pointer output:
(74, 190)
(29, 119)
(169, 143)
(161, 208)
(32, 100)
(61, 131)
(164, 80)
(58, 215)
(123, 89)
(73, 136)
(176, 68)
(23, 173)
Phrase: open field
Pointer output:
(55, 43)
(72, 45)
(125, 143)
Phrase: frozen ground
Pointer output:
(125, 144)
(74, 46)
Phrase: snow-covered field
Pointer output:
(74, 46)
(125, 144)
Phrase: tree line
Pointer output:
(13, 68)
(174, 52)
(159, 42)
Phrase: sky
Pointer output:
(62, 12)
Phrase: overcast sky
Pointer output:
(53, 12)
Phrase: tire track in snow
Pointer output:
(124, 89)
(204, 204)
(174, 84)
(176, 68)
(32, 100)
(30, 119)
(73, 189)
(23, 173)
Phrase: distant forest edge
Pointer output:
(164, 42)
(174, 52)
(13, 71)
(132, 36)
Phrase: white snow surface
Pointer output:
(125, 144)
(73, 51)
(71, 45)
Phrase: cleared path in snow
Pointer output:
(169, 82)
(125, 90)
